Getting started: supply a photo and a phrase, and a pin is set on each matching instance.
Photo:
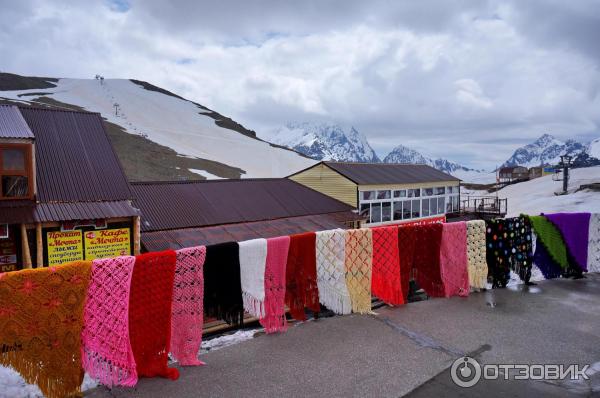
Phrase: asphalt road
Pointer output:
(408, 350)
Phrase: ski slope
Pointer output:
(172, 122)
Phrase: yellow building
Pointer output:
(386, 193)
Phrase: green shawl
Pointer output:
(551, 238)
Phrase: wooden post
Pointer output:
(25, 247)
(39, 245)
(136, 236)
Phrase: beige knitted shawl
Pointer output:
(359, 264)
(477, 264)
(331, 281)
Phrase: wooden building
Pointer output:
(63, 193)
(385, 193)
(512, 174)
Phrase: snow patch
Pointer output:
(206, 174)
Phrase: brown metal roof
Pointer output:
(188, 204)
(75, 161)
(13, 212)
(12, 124)
(177, 239)
(389, 173)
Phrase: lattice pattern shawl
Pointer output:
(253, 259)
(150, 313)
(593, 264)
(406, 254)
(477, 264)
(453, 259)
(331, 272)
(41, 317)
(187, 317)
(106, 349)
(222, 284)
(359, 266)
(277, 252)
(424, 245)
(301, 290)
(386, 283)
(574, 228)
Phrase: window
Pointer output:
(375, 212)
(425, 208)
(406, 209)
(365, 211)
(432, 206)
(397, 211)
(15, 171)
(386, 211)
(383, 194)
(414, 193)
(367, 195)
(428, 192)
(440, 190)
(400, 194)
(440, 205)
(416, 208)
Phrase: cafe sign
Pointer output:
(107, 243)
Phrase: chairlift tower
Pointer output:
(565, 163)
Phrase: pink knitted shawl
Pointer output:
(105, 348)
(187, 309)
(277, 252)
(453, 259)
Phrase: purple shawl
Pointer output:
(550, 268)
(574, 228)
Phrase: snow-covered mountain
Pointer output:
(158, 134)
(547, 150)
(326, 141)
(402, 154)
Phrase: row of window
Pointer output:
(406, 193)
(398, 210)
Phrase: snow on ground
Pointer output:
(174, 123)
(537, 196)
(206, 174)
(475, 177)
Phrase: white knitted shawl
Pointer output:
(593, 264)
(253, 257)
(331, 271)
(477, 264)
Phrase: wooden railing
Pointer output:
(483, 205)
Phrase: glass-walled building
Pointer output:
(386, 193)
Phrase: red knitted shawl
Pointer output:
(150, 313)
(385, 282)
(277, 251)
(419, 247)
(453, 259)
(301, 289)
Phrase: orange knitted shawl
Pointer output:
(41, 317)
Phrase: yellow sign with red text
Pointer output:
(64, 247)
(105, 243)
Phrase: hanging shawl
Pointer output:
(386, 282)
(508, 246)
(150, 313)
(593, 257)
(187, 313)
(549, 268)
(222, 284)
(406, 253)
(41, 317)
(253, 258)
(277, 253)
(549, 236)
(477, 265)
(453, 259)
(301, 289)
(426, 259)
(359, 264)
(521, 243)
(106, 350)
(574, 228)
(331, 273)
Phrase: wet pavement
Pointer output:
(408, 350)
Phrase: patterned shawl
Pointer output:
(106, 350)
(549, 268)
(406, 253)
(386, 282)
(550, 237)
(41, 317)
(331, 272)
(593, 257)
(477, 265)
(301, 289)
(453, 259)
(359, 264)
(277, 253)
(187, 313)
(574, 228)
(253, 259)
(150, 313)
(222, 284)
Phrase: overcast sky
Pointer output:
(465, 80)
